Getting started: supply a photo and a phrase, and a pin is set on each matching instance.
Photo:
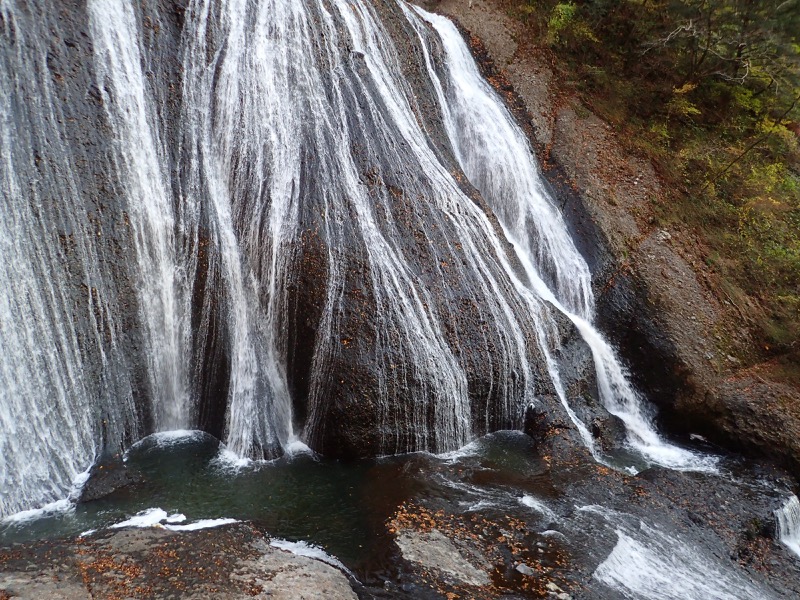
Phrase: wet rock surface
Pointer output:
(762, 416)
(107, 476)
(234, 562)
(515, 517)
(566, 525)
(434, 550)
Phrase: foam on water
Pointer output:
(146, 518)
(52, 508)
(201, 524)
(555, 534)
(302, 548)
(227, 460)
(538, 506)
(157, 517)
(650, 564)
(62, 506)
(295, 447)
(165, 439)
(478, 506)
(471, 449)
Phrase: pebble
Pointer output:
(524, 569)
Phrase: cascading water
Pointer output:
(151, 273)
(650, 564)
(788, 530)
(65, 372)
(139, 160)
(497, 158)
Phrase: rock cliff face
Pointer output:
(670, 318)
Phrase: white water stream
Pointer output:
(788, 518)
(55, 296)
(649, 564)
(140, 161)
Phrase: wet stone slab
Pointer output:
(229, 562)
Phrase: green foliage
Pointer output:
(679, 105)
(565, 26)
(710, 91)
(561, 17)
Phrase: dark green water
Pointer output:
(342, 507)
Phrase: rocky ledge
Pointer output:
(232, 562)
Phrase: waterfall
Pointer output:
(651, 564)
(788, 530)
(139, 159)
(497, 158)
(234, 219)
(65, 375)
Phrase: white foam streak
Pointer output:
(309, 550)
(166, 439)
(649, 564)
(659, 567)
(296, 448)
(150, 517)
(538, 506)
(201, 524)
(32, 514)
(157, 517)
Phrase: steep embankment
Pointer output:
(670, 314)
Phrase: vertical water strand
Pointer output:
(48, 437)
(480, 127)
(788, 519)
(229, 106)
(277, 88)
(472, 248)
(485, 151)
(404, 305)
(64, 385)
(145, 183)
(470, 105)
